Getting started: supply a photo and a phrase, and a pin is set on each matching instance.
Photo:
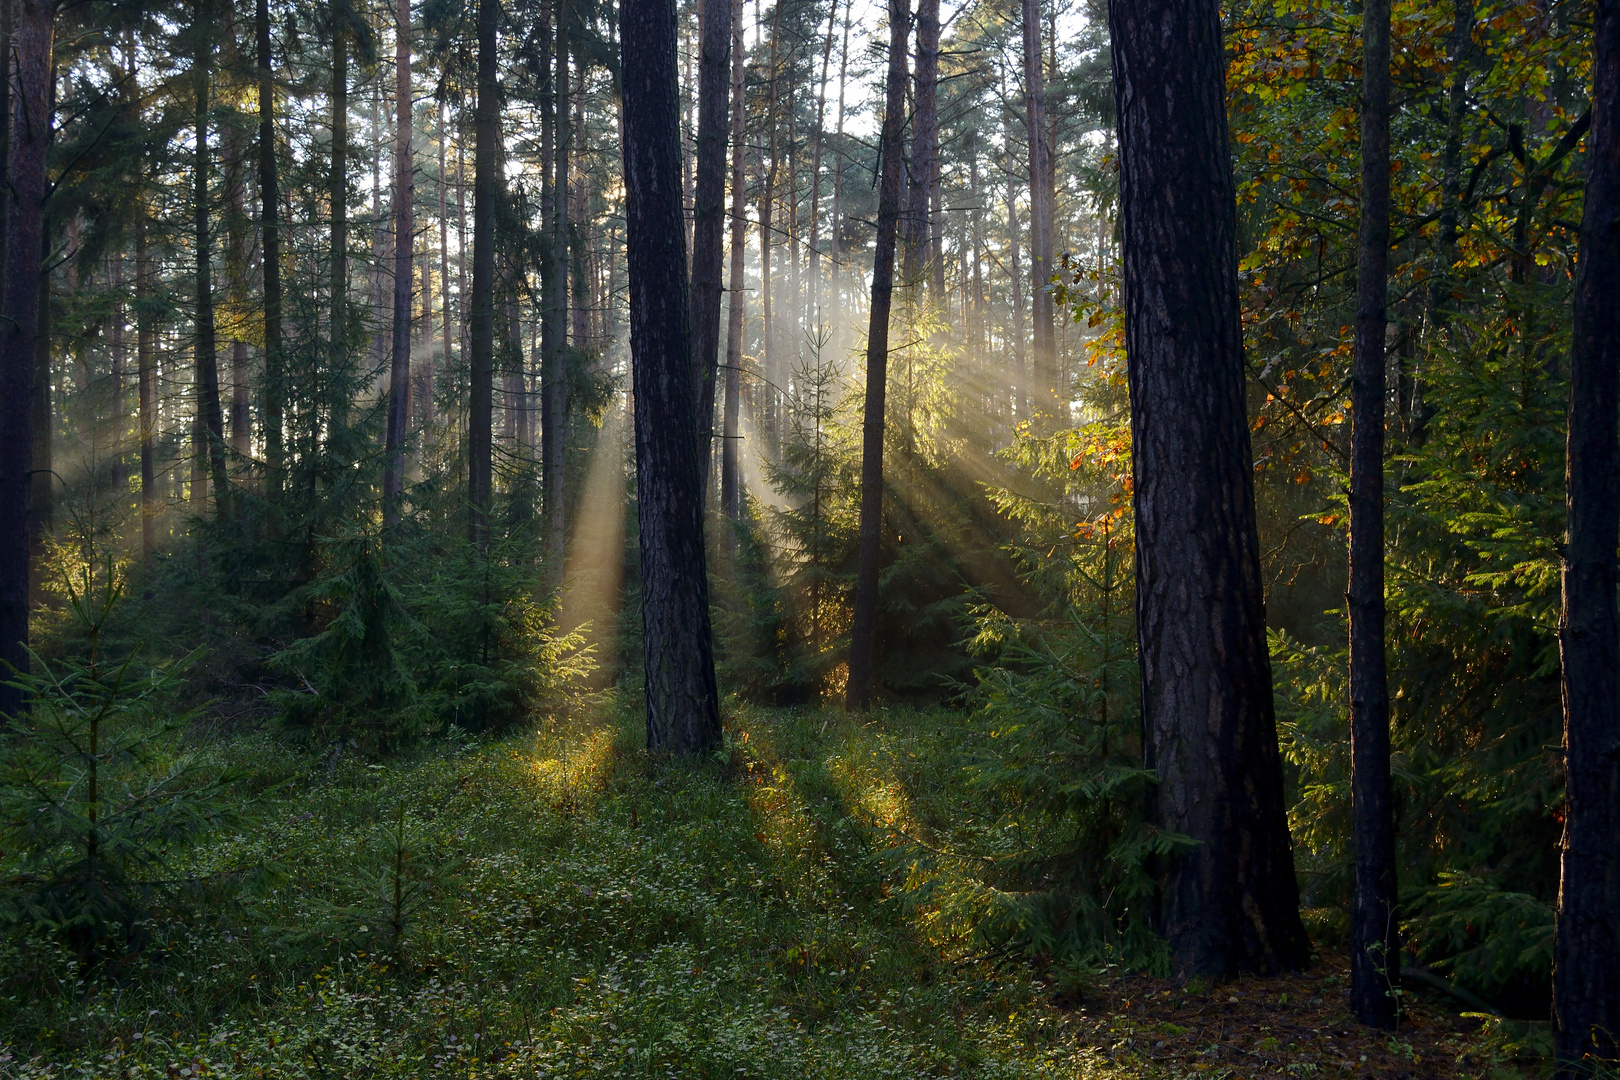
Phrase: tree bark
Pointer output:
(444, 250)
(924, 144)
(32, 47)
(481, 328)
(270, 242)
(683, 704)
(211, 421)
(709, 214)
(737, 297)
(145, 365)
(815, 167)
(1586, 962)
(556, 419)
(1231, 902)
(1041, 196)
(1374, 955)
(399, 368)
(863, 631)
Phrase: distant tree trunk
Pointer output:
(767, 214)
(1374, 956)
(1041, 197)
(556, 419)
(444, 248)
(1021, 389)
(338, 192)
(1586, 962)
(211, 421)
(737, 297)
(270, 242)
(709, 215)
(236, 270)
(924, 143)
(815, 167)
(481, 331)
(145, 364)
(1231, 903)
(683, 705)
(863, 631)
(32, 46)
(399, 368)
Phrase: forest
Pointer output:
(810, 538)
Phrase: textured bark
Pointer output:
(863, 630)
(1041, 196)
(737, 303)
(481, 324)
(399, 367)
(556, 419)
(924, 145)
(32, 45)
(270, 243)
(683, 705)
(1230, 903)
(444, 251)
(1374, 957)
(709, 214)
(146, 376)
(210, 427)
(1586, 962)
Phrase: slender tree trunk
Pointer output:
(32, 46)
(399, 368)
(709, 214)
(1040, 218)
(683, 705)
(1021, 391)
(1374, 956)
(838, 157)
(924, 143)
(767, 214)
(211, 422)
(863, 632)
(236, 270)
(556, 419)
(145, 364)
(444, 249)
(815, 167)
(737, 302)
(481, 331)
(1586, 961)
(338, 193)
(270, 243)
(1231, 903)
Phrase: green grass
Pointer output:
(555, 904)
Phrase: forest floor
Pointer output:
(553, 904)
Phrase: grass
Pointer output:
(555, 904)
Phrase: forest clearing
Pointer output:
(810, 538)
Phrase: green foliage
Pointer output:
(98, 791)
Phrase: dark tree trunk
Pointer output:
(236, 270)
(41, 509)
(556, 418)
(444, 252)
(32, 45)
(399, 367)
(145, 365)
(1231, 903)
(270, 240)
(210, 426)
(924, 144)
(683, 705)
(863, 631)
(1586, 962)
(737, 302)
(709, 214)
(1374, 957)
(1041, 197)
(481, 328)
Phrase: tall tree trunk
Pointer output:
(683, 705)
(481, 329)
(145, 364)
(338, 193)
(815, 167)
(1041, 197)
(556, 419)
(1586, 960)
(709, 214)
(1374, 956)
(737, 295)
(767, 214)
(399, 368)
(924, 143)
(444, 249)
(41, 503)
(1021, 391)
(270, 243)
(210, 419)
(236, 268)
(1231, 902)
(838, 157)
(863, 631)
(32, 46)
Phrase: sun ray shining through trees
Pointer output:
(833, 514)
